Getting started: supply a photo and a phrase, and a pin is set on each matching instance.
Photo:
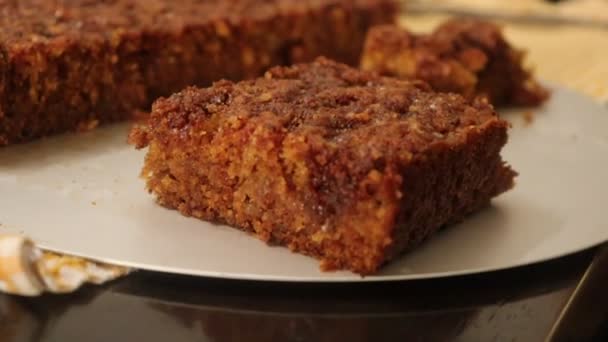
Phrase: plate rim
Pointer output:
(352, 277)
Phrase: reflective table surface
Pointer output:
(561, 300)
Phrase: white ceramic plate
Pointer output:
(82, 195)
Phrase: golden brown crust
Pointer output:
(466, 56)
(327, 160)
(65, 62)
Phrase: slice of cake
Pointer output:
(68, 65)
(332, 162)
(464, 56)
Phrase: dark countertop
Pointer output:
(562, 300)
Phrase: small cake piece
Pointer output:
(70, 64)
(464, 56)
(330, 161)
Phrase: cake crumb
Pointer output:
(87, 126)
(528, 117)
(326, 227)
